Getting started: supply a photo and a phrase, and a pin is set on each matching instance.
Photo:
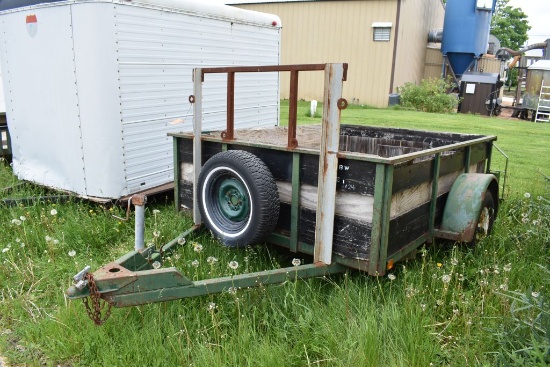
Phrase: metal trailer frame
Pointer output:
(136, 278)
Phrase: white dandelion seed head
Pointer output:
(156, 265)
(211, 307)
(232, 290)
(446, 278)
(17, 240)
(181, 241)
(423, 306)
(454, 261)
(507, 267)
(439, 302)
(525, 220)
(233, 265)
(177, 256)
(197, 247)
(48, 239)
(503, 287)
(535, 294)
(455, 311)
(211, 260)
(156, 211)
(22, 244)
(195, 263)
(5, 249)
(391, 277)
(72, 253)
(53, 212)
(22, 218)
(17, 222)
(527, 195)
(156, 233)
(296, 262)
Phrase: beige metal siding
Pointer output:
(434, 63)
(337, 31)
(417, 18)
(489, 65)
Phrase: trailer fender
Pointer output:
(465, 203)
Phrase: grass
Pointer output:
(451, 306)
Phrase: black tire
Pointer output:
(238, 198)
(486, 219)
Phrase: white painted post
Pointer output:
(312, 108)
(197, 146)
(328, 164)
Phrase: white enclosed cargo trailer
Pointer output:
(93, 86)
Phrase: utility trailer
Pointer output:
(352, 196)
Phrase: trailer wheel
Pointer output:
(486, 218)
(238, 198)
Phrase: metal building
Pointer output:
(384, 42)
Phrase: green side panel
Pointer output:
(464, 203)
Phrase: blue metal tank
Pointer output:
(466, 31)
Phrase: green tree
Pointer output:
(510, 25)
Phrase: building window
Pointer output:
(381, 31)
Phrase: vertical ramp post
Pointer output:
(328, 162)
(197, 145)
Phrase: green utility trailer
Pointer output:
(351, 196)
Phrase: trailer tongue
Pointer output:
(351, 196)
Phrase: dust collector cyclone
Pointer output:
(466, 32)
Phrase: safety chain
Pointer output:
(97, 305)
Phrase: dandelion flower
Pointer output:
(535, 294)
(72, 253)
(527, 195)
(156, 211)
(23, 218)
(5, 249)
(211, 307)
(296, 262)
(446, 278)
(211, 260)
(197, 247)
(195, 263)
(53, 212)
(17, 222)
(439, 265)
(156, 265)
(156, 233)
(391, 277)
(181, 241)
(507, 267)
(233, 265)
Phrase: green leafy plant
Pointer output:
(430, 96)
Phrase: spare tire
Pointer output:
(238, 198)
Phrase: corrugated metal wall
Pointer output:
(434, 63)
(417, 18)
(337, 31)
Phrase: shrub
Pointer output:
(430, 96)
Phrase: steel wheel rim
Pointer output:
(226, 221)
